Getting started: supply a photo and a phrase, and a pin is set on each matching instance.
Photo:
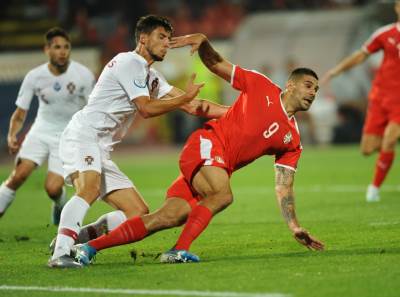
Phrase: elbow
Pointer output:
(144, 112)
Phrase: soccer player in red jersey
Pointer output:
(382, 125)
(260, 122)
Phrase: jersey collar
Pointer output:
(141, 59)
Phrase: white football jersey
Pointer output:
(60, 96)
(111, 109)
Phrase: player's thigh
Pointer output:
(391, 136)
(129, 200)
(370, 143)
(213, 185)
(87, 184)
(53, 184)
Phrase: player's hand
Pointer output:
(13, 145)
(194, 40)
(304, 238)
(192, 89)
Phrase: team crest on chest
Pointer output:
(89, 160)
(287, 138)
(71, 87)
(57, 86)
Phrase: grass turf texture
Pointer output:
(247, 248)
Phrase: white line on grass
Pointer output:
(314, 188)
(140, 292)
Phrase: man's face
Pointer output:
(157, 43)
(303, 91)
(58, 51)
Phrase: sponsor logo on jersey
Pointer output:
(71, 87)
(57, 86)
(89, 160)
(219, 160)
(287, 138)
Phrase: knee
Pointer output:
(89, 192)
(53, 191)
(137, 211)
(225, 200)
(367, 150)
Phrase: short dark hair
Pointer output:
(146, 24)
(54, 32)
(298, 72)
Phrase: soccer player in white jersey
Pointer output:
(62, 87)
(126, 86)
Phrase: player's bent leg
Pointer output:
(213, 185)
(127, 202)
(55, 189)
(173, 213)
(21, 172)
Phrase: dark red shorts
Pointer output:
(379, 114)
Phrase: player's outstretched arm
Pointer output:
(347, 63)
(284, 179)
(148, 107)
(16, 123)
(199, 107)
(209, 56)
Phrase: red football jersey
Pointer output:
(257, 124)
(387, 78)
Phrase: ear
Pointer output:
(289, 85)
(143, 38)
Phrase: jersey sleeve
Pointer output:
(90, 81)
(132, 77)
(374, 43)
(242, 79)
(289, 159)
(165, 87)
(26, 92)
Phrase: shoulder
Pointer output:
(34, 73)
(383, 30)
(255, 75)
(81, 69)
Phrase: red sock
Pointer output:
(130, 231)
(197, 221)
(382, 167)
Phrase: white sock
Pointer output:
(106, 222)
(7, 196)
(62, 199)
(72, 216)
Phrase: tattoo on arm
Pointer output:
(284, 182)
(288, 210)
(208, 55)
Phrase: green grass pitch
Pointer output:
(247, 249)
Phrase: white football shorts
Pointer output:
(40, 148)
(80, 151)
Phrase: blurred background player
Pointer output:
(382, 125)
(127, 86)
(62, 87)
(263, 116)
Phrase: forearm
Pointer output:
(205, 108)
(155, 107)
(286, 203)
(356, 58)
(16, 124)
(208, 55)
